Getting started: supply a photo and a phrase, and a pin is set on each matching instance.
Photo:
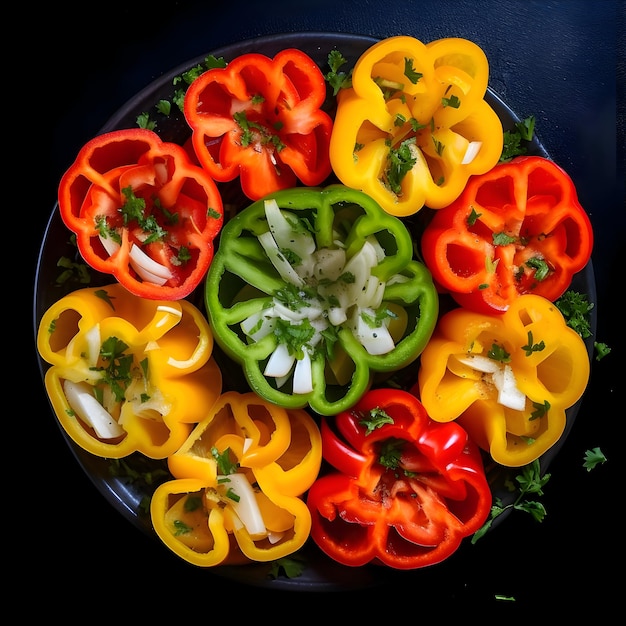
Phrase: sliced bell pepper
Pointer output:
(313, 290)
(239, 480)
(516, 229)
(404, 490)
(506, 378)
(142, 212)
(261, 119)
(414, 125)
(127, 374)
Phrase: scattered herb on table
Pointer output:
(530, 481)
(602, 350)
(593, 458)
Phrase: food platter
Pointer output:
(127, 497)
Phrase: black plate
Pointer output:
(321, 573)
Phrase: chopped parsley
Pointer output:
(409, 71)
(224, 464)
(400, 162)
(512, 145)
(376, 418)
(531, 347)
(576, 309)
(498, 353)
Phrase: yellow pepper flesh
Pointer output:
(277, 451)
(160, 383)
(549, 362)
(440, 110)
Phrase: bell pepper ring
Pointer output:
(142, 212)
(516, 229)
(238, 484)
(415, 125)
(261, 119)
(402, 492)
(127, 374)
(313, 290)
(507, 379)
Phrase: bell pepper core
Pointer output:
(403, 491)
(238, 483)
(507, 379)
(142, 212)
(312, 290)
(414, 125)
(127, 374)
(516, 229)
(261, 119)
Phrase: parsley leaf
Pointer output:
(512, 145)
(400, 162)
(291, 566)
(472, 217)
(499, 353)
(164, 107)
(502, 239)
(144, 121)
(117, 373)
(541, 409)
(103, 294)
(575, 308)
(336, 79)
(531, 347)
(391, 452)
(542, 269)
(529, 481)
(601, 350)
(409, 71)
(72, 272)
(593, 457)
(224, 464)
(376, 418)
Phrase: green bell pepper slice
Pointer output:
(313, 290)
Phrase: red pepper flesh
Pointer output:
(407, 514)
(517, 229)
(130, 190)
(261, 119)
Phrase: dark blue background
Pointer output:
(557, 60)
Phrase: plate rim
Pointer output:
(255, 574)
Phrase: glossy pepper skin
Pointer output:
(403, 494)
(261, 119)
(516, 229)
(250, 295)
(148, 363)
(405, 132)
(127, 196)
(547, 359)
(276, 451)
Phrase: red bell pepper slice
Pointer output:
(143, 212)
(516, 229)
(261, 119)
(403, 493)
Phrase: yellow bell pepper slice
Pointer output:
(415, 125)
(238, 483)
(506, 378)
(128, 374)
